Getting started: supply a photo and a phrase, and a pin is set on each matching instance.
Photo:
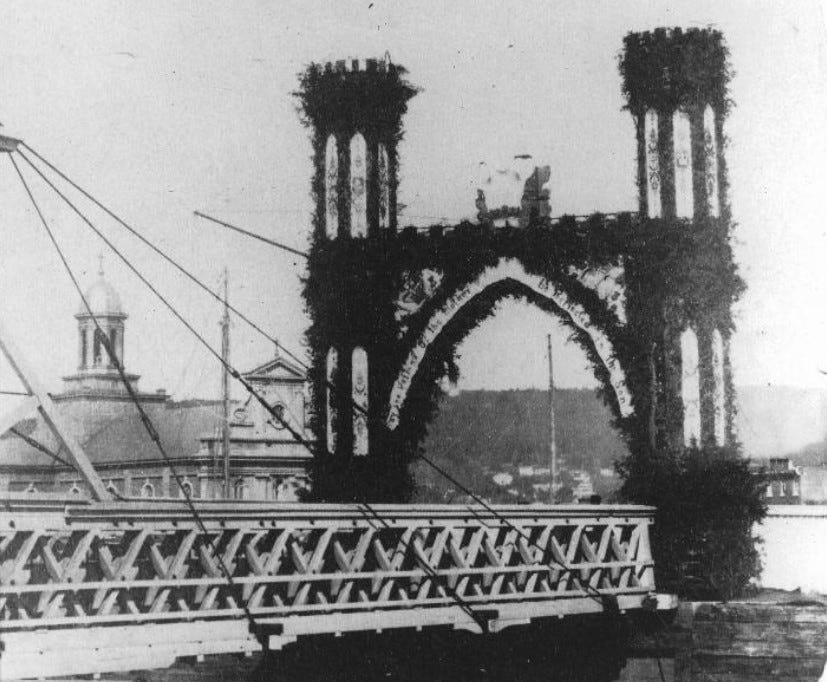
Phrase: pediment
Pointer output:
(277, 369)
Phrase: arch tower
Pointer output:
(647, 295)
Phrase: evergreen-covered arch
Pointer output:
(458, 314)
(657, 284)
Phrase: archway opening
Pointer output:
(492, 428)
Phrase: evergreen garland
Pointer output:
(707, 500)
(668, 267)
(677, 273)
(666, 69)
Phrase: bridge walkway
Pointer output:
(97, 587)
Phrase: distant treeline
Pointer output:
(477, 433)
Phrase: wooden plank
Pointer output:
(742, 612)
(778, 640)
(755, 669)
(742, 641)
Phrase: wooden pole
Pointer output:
(225, 386)
(552, 426)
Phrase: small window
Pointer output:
(83, 348)
(147, 489)
(769, 490)
(96, 349)
(113, 335)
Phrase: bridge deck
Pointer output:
(99, 587)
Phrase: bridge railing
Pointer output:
(112, 565)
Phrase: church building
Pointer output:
(266, 461)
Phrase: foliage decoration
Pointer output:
(332, 98)
(708, 502)
(677, 273)
(667, 69)
(351, 298)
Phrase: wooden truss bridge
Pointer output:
(93, 587)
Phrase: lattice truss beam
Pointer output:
(161, 570)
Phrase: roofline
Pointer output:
(278, 360)
(87, 315)
(123, 467)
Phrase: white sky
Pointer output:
(163, 108)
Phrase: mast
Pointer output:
(552, 426)
(225, 386)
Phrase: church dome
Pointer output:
(102, 299)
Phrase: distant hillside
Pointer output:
(775, 421)
(498, 427)
(477, 433)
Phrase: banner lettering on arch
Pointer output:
(507, 268)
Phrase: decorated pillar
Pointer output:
(354, 110)
(675, 83)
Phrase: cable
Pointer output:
(126, 261)
(157, 250)
(229, 226)
(153, 434)
(431, 572)
(42, 448)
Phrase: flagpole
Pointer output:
(552, 427)
(225, 386)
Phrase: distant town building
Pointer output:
(503, 478)
(783, 482)
(266, 460)
(583, 488)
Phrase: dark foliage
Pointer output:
(708, 502)
(706, 498)
(669, 68)
(332, 99)
(479, 433)
(676, 273)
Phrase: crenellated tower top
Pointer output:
(355, 109)
(675, 83)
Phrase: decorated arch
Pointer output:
(511, 277)
(390, 304)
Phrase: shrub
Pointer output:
(707, 504)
